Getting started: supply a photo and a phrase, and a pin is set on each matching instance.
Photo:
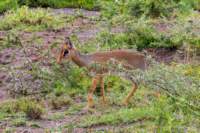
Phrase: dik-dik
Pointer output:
(130, 60)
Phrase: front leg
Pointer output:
(90, 102)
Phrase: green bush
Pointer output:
(88, 4)
(31, 108)
(11, 4)
(59, 102)
(136, 8)
(28, 18)
(140, 35)
(155, 8)
(19, 122)
(110, 40)
(148, 8)
(67, 79)
(7, 5)
(195, 4)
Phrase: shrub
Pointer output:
(113, 41)
(159, 8)
(12, 4)
(31, 108)
(19, 122)
(88, 4)
(136, 8)
(148, 8)
(193, 71)
(59, 102)
(7, 5)
(59, 88)
(191, 3)
(67, 79)
(140, 34)
(25, 17)
(109, 9)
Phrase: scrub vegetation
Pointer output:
(38, 94)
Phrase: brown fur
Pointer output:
(130, 60)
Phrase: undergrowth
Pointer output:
(6, 5)
(148, 8)
(162, 115)
(66, 85)
(31, 108)
(87, 4)
(27, 19)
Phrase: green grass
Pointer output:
(67, 86)
(125, 116)
(19, 122)
(75, 108)
(57, 102)
(3, 115)
(146, 33)
(162, 115)
(137, 18)
(9, 130)
(31, 108)
(6, 5)
(56, 116)
(87, 4)
(148, 8)
(27, 19)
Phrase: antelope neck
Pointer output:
(80, 59)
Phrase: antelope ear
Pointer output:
(68, 42)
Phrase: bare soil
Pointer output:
(14, 57)
(11, 58)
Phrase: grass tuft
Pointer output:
(31, 108)
(31, 19)
(60, 101)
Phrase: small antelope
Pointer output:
(130, 59)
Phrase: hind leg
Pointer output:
(103, 99)
(131, 93)
(157, 94)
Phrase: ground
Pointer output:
(70, 118)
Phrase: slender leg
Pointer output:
(131, 93)
(91, 91)
(157, 94)
(102, 90)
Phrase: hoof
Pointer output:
(87, 110)
(124, 103)
(103, 101)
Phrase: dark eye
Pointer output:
(66, 52)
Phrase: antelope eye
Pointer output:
(65, 52)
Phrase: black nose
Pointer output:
(66, 52)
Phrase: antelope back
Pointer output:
(130, 59)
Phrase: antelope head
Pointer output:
(67, 50)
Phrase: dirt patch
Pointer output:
(3, 95)
(77, 11)
(36, 43)
(46, 124)
(164, 55)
